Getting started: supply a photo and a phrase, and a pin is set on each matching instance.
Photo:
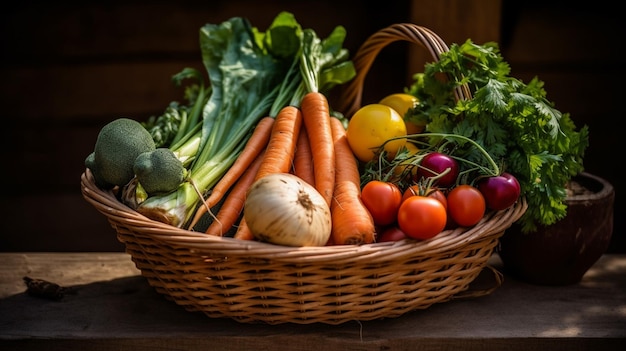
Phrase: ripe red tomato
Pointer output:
(439, 195)
(466, 205)
(421, 217)
(383, 200)
(392, 233)
(414, 190)
(500, 192)
(436, 163)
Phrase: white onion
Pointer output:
(283, 209)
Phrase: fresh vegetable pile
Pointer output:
(257, 153)
(507, 141)
(264, 112)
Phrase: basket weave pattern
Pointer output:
(254, 282)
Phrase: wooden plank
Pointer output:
(64, 269)
(115, 309)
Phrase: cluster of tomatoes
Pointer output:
(421, 212)
(434, 200)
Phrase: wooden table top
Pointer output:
(110, 306)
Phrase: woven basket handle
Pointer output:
(350, 100)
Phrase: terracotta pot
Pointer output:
(560, 254)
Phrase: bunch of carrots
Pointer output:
(300, 137)
(310, 143)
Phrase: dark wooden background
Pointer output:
(67, 70)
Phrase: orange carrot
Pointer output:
(256, 143)
(316, 119)
(352, 222)
(303, 159)
(243, 232)
(281, 146)
(235, 200)
(279, 153)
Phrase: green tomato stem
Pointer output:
(493, 171)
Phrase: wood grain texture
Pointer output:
(115, 309)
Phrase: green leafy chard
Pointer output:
(246, 69)
(515, 122)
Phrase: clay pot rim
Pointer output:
(606, 190)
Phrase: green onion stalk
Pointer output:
(177, 207)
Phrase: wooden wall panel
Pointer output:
(454, 21)
(68, 69)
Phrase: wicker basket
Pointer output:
(256, 282)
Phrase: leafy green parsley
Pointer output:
(514, 122)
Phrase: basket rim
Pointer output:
(105, 201)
